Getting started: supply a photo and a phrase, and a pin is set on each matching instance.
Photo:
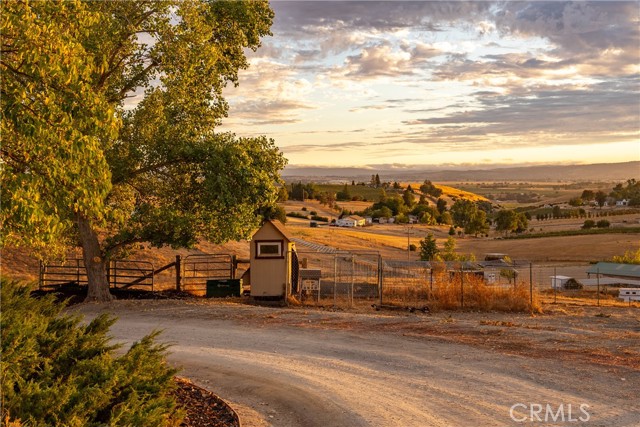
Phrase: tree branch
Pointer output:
(146, 169)
(111, 249)
(133, 82)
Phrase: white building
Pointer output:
(557, 282)
(351, 221)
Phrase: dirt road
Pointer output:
(291, 367)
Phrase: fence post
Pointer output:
(598, 281)
(353, 267)
(380, 277)
(115, 273)
(234, 261)
(461, 286)
(531, 286)
(178, 273)
(109, 272)
(555, 286)
(431, 279)
(335, 279)
(40, 274)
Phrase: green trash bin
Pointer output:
(221, 288)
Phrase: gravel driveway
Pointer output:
(291, 367)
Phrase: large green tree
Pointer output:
(508, 220)
(109, 111)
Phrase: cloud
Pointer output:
(269, 93)
(452, 75)
(543, 116)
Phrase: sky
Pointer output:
(397, 84)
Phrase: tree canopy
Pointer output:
(109, 116)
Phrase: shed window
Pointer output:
(269, 249)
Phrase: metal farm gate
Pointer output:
(120, 273)
(198, 268)
(191, 272)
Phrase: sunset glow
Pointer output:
(373, 83)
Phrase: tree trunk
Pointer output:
(98, 288)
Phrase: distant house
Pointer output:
(351, 221)
(392, 220)
(368, 220)
(360, 221)
(382, 220)
(413, 219)
(623, 202)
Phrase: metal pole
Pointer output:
(380, 277)
(335, 279)
(353, 266)
(431, 280)
(555, 286)
(598, 281)
(461, 286)
(109, 272)
(178, 273)
(531, 286)
(40, 274)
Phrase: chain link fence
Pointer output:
(341, 278)
(338, 278)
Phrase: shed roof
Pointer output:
(615, 269)
(280, 227)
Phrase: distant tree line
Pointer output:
(629, 191)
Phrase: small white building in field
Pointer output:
(351, 221)
(558, 282)
(629, 294)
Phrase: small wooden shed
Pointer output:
(274, 264)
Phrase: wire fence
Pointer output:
(356, 278)
(364, 278)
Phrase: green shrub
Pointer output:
(589, 223)
(57, 371)
(603, 223)
(297, 215)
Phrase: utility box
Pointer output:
(274, 263)
(222, 288)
